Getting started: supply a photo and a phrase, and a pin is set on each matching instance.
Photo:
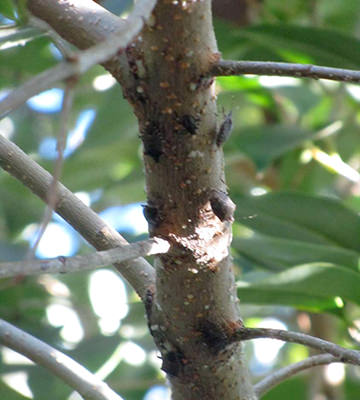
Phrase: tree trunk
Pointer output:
(193, 308)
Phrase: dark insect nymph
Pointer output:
(152, 140)
(224, 130)
(190, 123)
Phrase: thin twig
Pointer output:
(82, 60)
(87, 262)
(60, 147)
(138, 272)
(334, 163)
(282, 374)
(13, 35)
(35, 85)
(62, 366)
(344, 355)
(59, 42)
(227, 68)
(107, 367)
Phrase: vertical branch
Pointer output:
(194, 301)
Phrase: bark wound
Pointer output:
(214, 336)
(218, 336)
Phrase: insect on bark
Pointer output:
(224, 130)
(222, 206)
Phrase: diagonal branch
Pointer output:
(59, 42)
(227, 68)
(82, 60)
(35, 85)
(139, 272)
(282, 374)
(87, 262)
(81, 22)
(344, 355)
(72, 373)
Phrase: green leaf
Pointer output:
(279, 253)
(7, 9)
(290, 43)
(311, 285)
(238, 83)
(19, 63)
(315, 220)
(12, 252)
(302, 97)
(13, 196)
(270, 296)
(110, 152)
(296, 385)
(265, 143)
(9, 394)
(14, 36)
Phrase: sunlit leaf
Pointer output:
(279, 253)
(290, 43)
(7, 9)
(14, 36)
(308, 285)
(295, 385)
(265, 143)
(301, 217)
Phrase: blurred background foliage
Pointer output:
(292, 169)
